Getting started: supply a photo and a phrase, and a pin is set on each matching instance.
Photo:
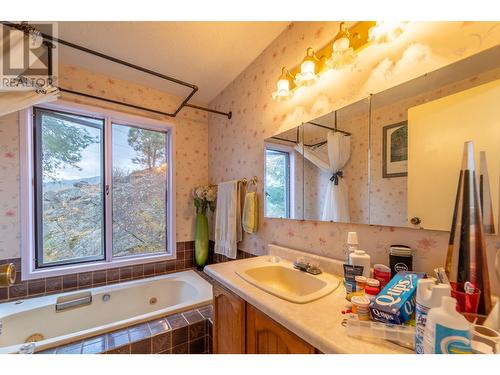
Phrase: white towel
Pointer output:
(228, 230)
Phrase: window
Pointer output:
(69, 194)
(100, 191)
(277, 183)
(139, 191)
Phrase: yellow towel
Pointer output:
(250, 212)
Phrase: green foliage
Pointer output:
(63, 144)
(149, 145)
(276, 184)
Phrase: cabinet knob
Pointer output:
(415, 220)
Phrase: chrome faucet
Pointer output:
(302, 265)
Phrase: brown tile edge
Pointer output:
(151, 337)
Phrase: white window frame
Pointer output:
(28, 252)
(291, 175)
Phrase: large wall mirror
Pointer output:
(394, 158)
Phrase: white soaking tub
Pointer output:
(112, 307)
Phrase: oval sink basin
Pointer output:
(288, 283)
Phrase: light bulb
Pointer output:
(307, 75)
(342, 53)
(341, 44)
(386, 31)
(283, 91)
(307, 68)
(283, 86)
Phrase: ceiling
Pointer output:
(207, 54)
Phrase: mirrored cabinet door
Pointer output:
(284, 175)
(336, 165)
(418, 130)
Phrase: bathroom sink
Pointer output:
(288, 283)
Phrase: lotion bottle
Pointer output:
(361, 258)
(447, 331)
(428, 296)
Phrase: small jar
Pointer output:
(373, 282)
(371, 292)
(360, 306)
(360, 283)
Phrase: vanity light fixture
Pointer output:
(284, 86)
(308, 74)
(342, 52)
(386, 31)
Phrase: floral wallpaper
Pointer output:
(191, 159)
(236, 145)
(9, 186)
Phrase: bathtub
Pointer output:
(112, 307)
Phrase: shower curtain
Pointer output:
(13, 101)
(336, 206)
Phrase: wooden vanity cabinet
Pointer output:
(265, 336)
(229, 321)
(241, 328)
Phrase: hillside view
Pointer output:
(73, 215)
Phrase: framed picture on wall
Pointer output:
(395, 150)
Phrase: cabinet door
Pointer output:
(265, 336)
(229, 322)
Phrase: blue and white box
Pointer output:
(395, 304)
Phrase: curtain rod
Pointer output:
(297, 142)
(327, 127)
(48, 39)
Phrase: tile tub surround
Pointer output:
(66, 283)
(236, 145)
(188, 332)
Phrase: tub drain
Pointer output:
(35, 337)
(153, 300)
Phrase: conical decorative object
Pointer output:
(466, 263)
(485, 195)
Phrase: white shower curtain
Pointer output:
(336, 206)
(14, 101)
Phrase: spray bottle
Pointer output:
(428, 296)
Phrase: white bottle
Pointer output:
(351, 245)
(447, 331)
(428, 296)
(360, 258)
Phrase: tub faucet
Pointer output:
(7, 274)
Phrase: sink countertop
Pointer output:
(317, 322)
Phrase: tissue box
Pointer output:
(396, 302)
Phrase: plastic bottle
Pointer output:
(428, 296)
(351, 245)
(447, 331)
(360, 258)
